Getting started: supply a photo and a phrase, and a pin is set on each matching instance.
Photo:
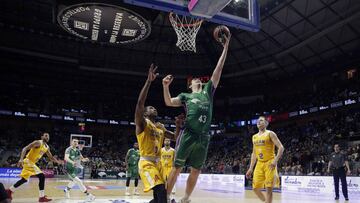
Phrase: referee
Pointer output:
(337, 162)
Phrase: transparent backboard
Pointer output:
(85, 140)
(242, 14)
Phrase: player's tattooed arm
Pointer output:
(140, 105)
(170, 135)
(51, 157)
(179, 120)
(175, 101)
(215, 78)
(34, 144)
(280, 147)
(167, 133)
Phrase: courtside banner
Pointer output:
(218, 179)
(10, 172)
(15, 172)
(49, 173)
(318, 184)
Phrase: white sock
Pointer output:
(186, 197)
(70, 185)
(12, 188)
(41, 193)
(80, 184)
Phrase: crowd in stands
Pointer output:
(308, 145)
(307, 142)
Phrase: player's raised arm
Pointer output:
(280, 147)
(140, 105)
(215, 78)
(175, 101)
(34, 144)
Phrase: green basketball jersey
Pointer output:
(198, 108)
(133, 157)
(74, 155)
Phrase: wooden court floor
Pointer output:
(114, 191)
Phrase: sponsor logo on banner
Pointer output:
(239, 178)
(10, 172)
(318, 184)
(104, 23)
(15, 172)
(48, 173)
(217, 179)
(292, 180)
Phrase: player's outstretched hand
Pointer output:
(60, 162)
(85, 159)
(152, 73)
(249, 173)
(226, 42)
(167, 80)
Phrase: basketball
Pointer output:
(219, 33)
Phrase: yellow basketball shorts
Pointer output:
(150, 174)
(165, 172)
(29, 169)
(264, 176)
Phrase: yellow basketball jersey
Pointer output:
(150, 140)
(167, 157)
(264, 147)
(36, 153)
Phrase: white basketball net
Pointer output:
(186, 29)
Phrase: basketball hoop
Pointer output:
(186, 28)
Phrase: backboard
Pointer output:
(242, 14)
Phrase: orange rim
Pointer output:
(184, 25)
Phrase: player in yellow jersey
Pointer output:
(263, 155)
(167, 161)
(150, 136)
(37, 149)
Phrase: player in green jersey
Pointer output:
(132, 171)
(73, 159)
(192, 144)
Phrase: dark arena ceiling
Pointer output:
(296, 37)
